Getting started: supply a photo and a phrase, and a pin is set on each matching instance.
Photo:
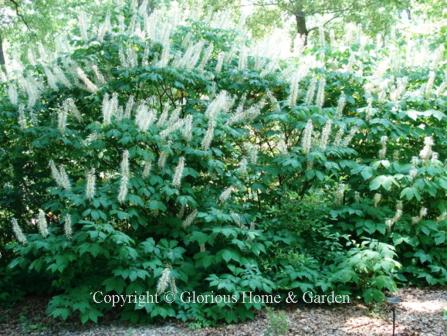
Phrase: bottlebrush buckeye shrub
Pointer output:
(151, 156)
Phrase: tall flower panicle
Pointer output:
(68, 229)
(242, 167)
(377, 199)
(341, 105)
(12, 94)
(339, 136)
(427, 152)
(87, 82)
(62, 119)
(147, 168)
(311, 91)
(129, 107)
(190, 218)
(124, 177)
(83, 27)
(368, 109)
(70, 107)
(206, 56)
(60, 76)
(162, 160)
(340, 194)
(273, 101)
(22, 117)
(252, 152)
(208, 138)
(220, 61)
(20, 236)
(219, 104)
(423, 211)
(319, 100)
(325, 133)
(225, 195)
(382, 151)
(99, 76)
(293, 96)
(307, 137)
(91, 184)
(242, 64)
(42, 223)
(51, 79)
(106, 110)
(397, 215)
(179, 124)
(347, 140)
(163, 282)
(144, 117)
(65, 181)
(177, 179)
(442, 216)
(187, 128)
(430, 82)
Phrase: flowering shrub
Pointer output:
(147, 155)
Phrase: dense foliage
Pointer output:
(149, 155)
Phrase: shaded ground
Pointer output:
(419, 313)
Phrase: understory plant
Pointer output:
(155, 153)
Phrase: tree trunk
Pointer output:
(2, 53)
(301, 26)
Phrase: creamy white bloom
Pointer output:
(176, 181)
(338, 137)
(307, 137)
(65, 181)
(190, 218)
(319, 100)
(129, 107)
(68, 230)
(430, 82)
(311, 91)
(242, 167)
(12, 94)
(124, 177)
(206, 56)
(293, 96)
(377, 199)
(326, 132)
(144, 117)
(350, 136)
(162, 160)
(42, 223)
(163, 282)
(339, 194)
(60, 76)
(51, 79)
(87, 82)
(147, 168)
(341, 105)
(220, 61)
(22, 116)
(242, 63)
(208, 138)
(99, 76)
(91, 184)
(382, 151)
(62, 119)
(225, 195)
(187, 128)
(83, 27)
(20, 236)
(427, 152)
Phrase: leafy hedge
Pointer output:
(150, 156)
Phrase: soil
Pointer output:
(421, 312)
